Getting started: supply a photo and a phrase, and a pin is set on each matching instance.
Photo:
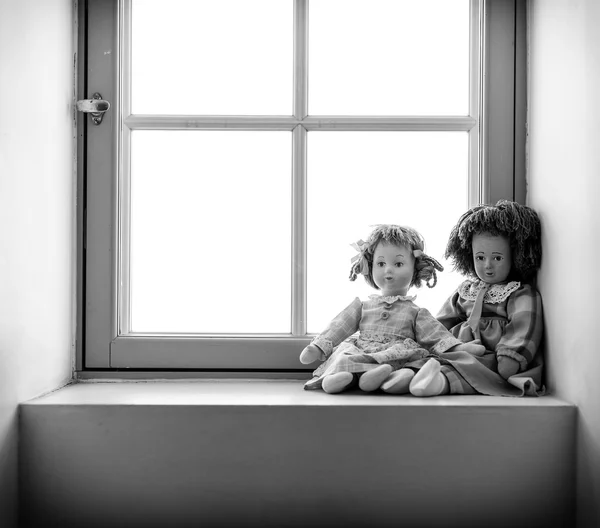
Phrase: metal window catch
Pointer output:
(96, 107)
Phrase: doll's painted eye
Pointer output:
(399, 264)
(381, 264)
(479, 257)
(498, 258)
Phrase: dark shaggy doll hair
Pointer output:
(425, 266)
(519, 223)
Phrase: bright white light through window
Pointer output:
(388, 57)
(211, 221)
(229, 57)
(359, 179)
(210, 231)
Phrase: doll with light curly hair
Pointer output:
(498, 247)
(392, 330)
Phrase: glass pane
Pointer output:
(229, 57)
(210, 231)
(359, 179)
(394, 57)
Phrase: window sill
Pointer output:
(268, 453)
(261, 392)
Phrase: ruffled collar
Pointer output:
(495, 294)
(390, 299)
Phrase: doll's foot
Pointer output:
(429, 381)
(372, 379)
(398, 382)
(337, 382)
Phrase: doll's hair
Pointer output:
(518, 223)
(425, 266)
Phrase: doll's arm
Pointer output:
(433, 335)
(341, 327)
(473, 348)
(508, 366)
(310, 354)
(522, 334)
(451, 313)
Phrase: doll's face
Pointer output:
(492, 257)
(393, 268)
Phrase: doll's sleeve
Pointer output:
(523, 333)
(341, 327)
(433, 335)
(451, 313)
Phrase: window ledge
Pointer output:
(253, 392)
(267, 453)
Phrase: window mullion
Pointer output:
(300, 59)
(476, 183)
(299, 169)
(123, 149)
(299, 231)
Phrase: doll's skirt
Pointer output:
(359, 356)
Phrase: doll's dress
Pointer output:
(507, 320)
(391, 330)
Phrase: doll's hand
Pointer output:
(310, 354)
(472, 348)
(507, 366)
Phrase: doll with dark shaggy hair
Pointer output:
(498, 247)
(393, 330)
(518, 223)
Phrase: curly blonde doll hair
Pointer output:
(425, 266)
(518, 223)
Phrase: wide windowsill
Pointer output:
(259, 392)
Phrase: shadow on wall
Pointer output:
(9, 469)
(588, 515)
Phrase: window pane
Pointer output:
(395, 57)
(204, 57)
(359, 179)
(210, 231)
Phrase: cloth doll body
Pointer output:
(499, 248)
(509, 322)
(393, 331)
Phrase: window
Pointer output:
(249, 143)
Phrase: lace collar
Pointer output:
(390, 299)
(496, 293)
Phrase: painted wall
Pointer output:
(36, 215)
(564, 186)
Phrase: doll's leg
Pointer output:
(338, 382)
(429, 381)
(372, 379)
(398, 382)
(457, 384)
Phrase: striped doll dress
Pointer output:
(382, 330)
(507, 320)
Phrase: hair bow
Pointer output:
(359, 259)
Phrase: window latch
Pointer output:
(95, 106)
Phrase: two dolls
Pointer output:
(487, 335)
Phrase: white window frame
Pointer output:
(496, 130)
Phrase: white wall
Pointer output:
(564, 186)
(36, 215)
